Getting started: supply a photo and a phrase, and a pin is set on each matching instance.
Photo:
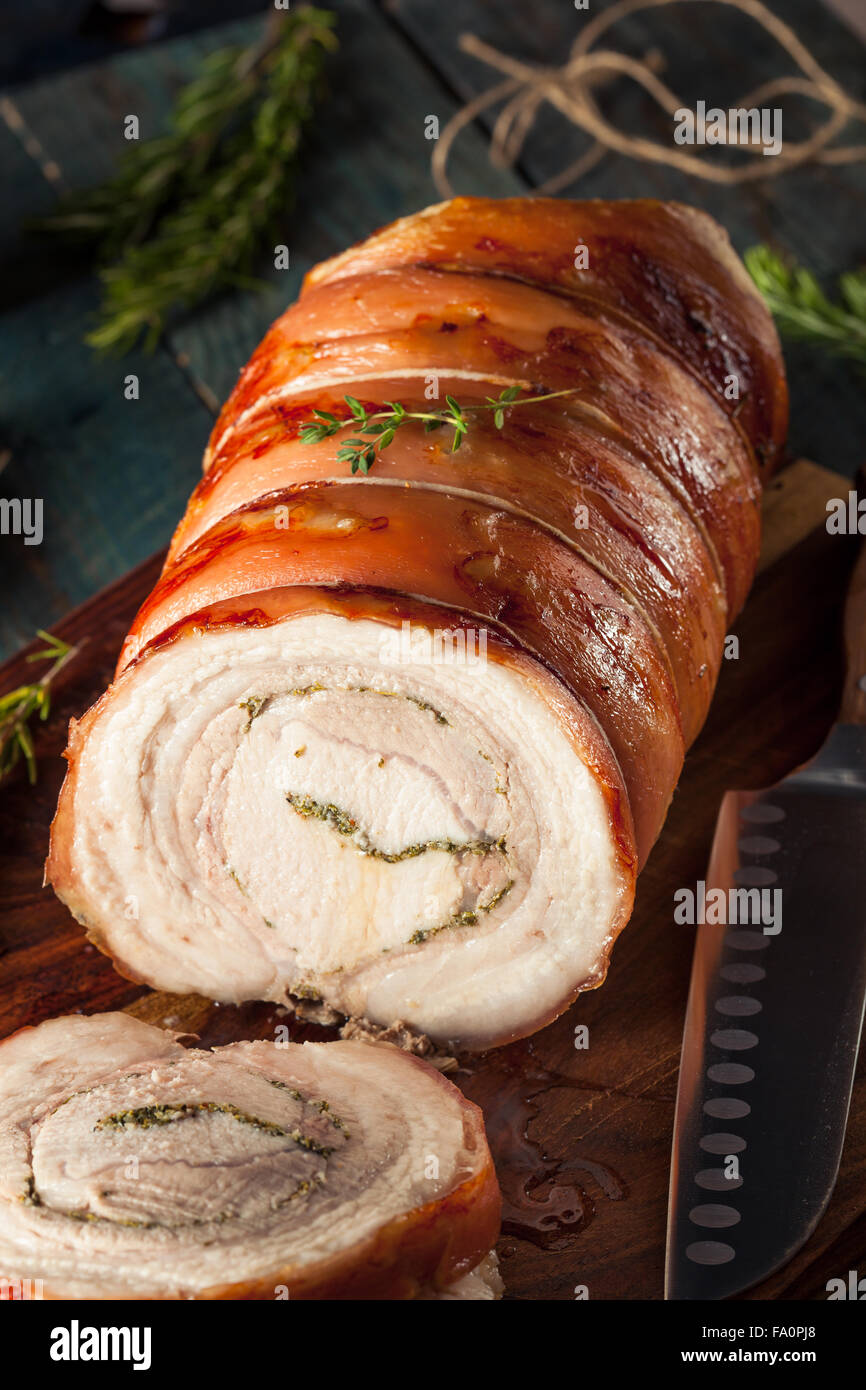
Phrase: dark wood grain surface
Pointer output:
(581, 1138)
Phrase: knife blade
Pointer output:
(775, 1011)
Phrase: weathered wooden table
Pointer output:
(581, 1138)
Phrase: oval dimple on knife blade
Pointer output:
(786, 1041)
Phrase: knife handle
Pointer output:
(853, 707)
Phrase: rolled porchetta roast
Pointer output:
(401, 742)
(131, 1167)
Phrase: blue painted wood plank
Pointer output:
(366, 161)
(114, 474)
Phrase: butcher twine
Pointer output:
(569, 89)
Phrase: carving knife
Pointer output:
(775, 1011)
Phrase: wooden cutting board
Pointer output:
(581, 1137)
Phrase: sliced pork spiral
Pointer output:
(401, 742)
(132, 1167)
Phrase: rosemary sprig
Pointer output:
(18, 707)
(804, 311)
(376, 428)
(186, 213)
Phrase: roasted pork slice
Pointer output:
(540, 460)
(483, 1284)
(665, 266)
(132, 1167)
(291, 794)
(400, 743)
(387, 324)
(579, 487)
(495, 567)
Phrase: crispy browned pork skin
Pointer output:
(401, 743)
(133, 1167)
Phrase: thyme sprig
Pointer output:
(19, 706)
(802, 309)
(187, 212)
(376, 428)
